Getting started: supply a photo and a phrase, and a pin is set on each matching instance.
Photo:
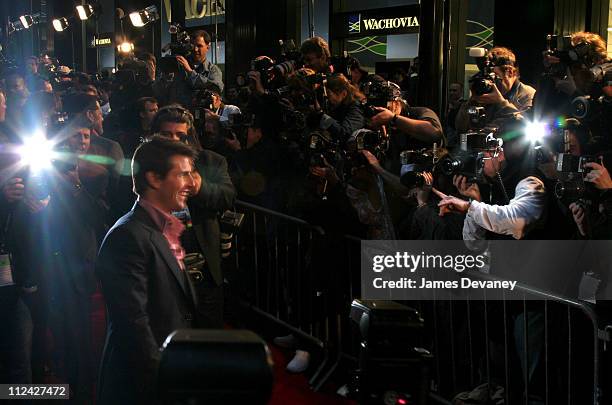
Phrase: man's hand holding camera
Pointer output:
(372, 161)
(15, 191)
(599, 176)
(184, 63)
(326, 172)
(383, 117)
(580, 217)
(470, 190)
(494, 97)
(255, 81)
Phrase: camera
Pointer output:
(571, 186)
(230, 223)
(483, 81)
(379, 94)
(468, 160)
(131, 71)
(415, 163)
(561, 47)
(568, 163)
(181, 44)
(322, 147)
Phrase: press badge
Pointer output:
(6, 273)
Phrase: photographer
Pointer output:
(508, 94)
(213, 194)
(575, 83)
(597, 224)
(571, 78)
(199, 73)
(222, 110)
(345, 115)
(21, 215)
(513, 217)
(76, 216)
(316, 54)
(408, 127)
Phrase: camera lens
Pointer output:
(569, 190)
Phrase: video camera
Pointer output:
(483, 81)
(180, 46)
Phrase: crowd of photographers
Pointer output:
(308, 134)
(317, 135)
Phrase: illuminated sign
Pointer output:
(103, 40)
(384, 21)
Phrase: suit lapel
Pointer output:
(161, 244)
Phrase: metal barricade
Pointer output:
(515, 352)
(286, 269)
(519, 352)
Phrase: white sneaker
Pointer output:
(286, 342)
(343, 391)
(299, 363)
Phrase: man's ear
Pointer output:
(154, 180)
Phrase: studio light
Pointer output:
(125, 47)
(60, 24)
(28, 20)
(143, 17)
(85, 11)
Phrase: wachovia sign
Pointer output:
(387, 21)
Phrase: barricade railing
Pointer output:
(542, 350)
(519, 352)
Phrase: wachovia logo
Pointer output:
(354, 23)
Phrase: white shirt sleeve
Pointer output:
(513, 219)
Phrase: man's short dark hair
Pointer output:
(316, 45)
(180, 115)
(203, 34)
(142, 102)
(154, 156)
(172, 113)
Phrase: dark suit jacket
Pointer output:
(216, 195)
(147, 298)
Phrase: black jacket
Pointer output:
(216, 195)
(147, 298)
(343, 121)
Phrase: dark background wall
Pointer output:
(254, 29)
(522, 25)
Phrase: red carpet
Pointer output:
(293, 388)
(289, 389)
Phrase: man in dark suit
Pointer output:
(213, 194)
(140, 265)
